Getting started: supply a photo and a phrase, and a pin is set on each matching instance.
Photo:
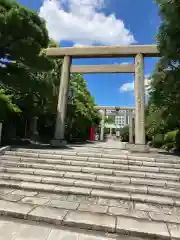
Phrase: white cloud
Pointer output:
(2, 65)
(129, 87)
(122, 63)
(84, 23)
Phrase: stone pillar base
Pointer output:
(142, 148)
(58, 143)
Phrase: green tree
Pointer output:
(110, 119)
(23, 35)
(169, 31)
(83, 113)
(30, 81)
(164, 102)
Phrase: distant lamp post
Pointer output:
(71, 96)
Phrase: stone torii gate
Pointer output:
(115, 111)
(138, 52)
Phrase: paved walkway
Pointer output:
(11, 229)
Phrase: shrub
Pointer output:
(170, 140)
(158, 141)
(177, 141)
(124, 132)
(170, 137)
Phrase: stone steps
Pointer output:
(124, 179)
(90, 161)
(139, 182)
(101, 154)
(95, 168)
(132, 188)
(86, 220)
(102, 168)
(136, 177)
(92, 178)
(89, 188)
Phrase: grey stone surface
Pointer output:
(128, 212)
(91, 184)
(20, 170)
(129, 188)
(11, 197)
(162, 176)
(77, 158)
(139, 214)
(80, 190)
(115, 202)
(142, 227)
(8, 230)
(67, 168)
(80, 175)
(113, 179)
(5, 191)
(150, 182)
(97, 170)
(38, 186)
(135, 162)
(90, 220)
(82, 198)
(169, 170)
(165, 217)
(147, 207)
(92, 181)
(114, 156)
(14, 209)
(92, 208)
(57, 234)
(114, 166)
(34, 200)
(24, 193)
(119, 211)
(10, 183)
(172, 184)
(49, 173)
(62, 189)
(140, 158)
(174, 230)
(85, 164)
(177, 202)
(110, 194)
(144, 169)
(31, 232)
(52, 196)
(50, 156)
(47, 214)
(61, 181)
(121, 161)
(23, 177)
(100, 160)
(130, 174)
(152, 199)
(63, 204)
(163, 192)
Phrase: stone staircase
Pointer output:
(112, 192)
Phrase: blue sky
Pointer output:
(102, 22)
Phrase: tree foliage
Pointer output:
(29, 80)
(164, 102)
